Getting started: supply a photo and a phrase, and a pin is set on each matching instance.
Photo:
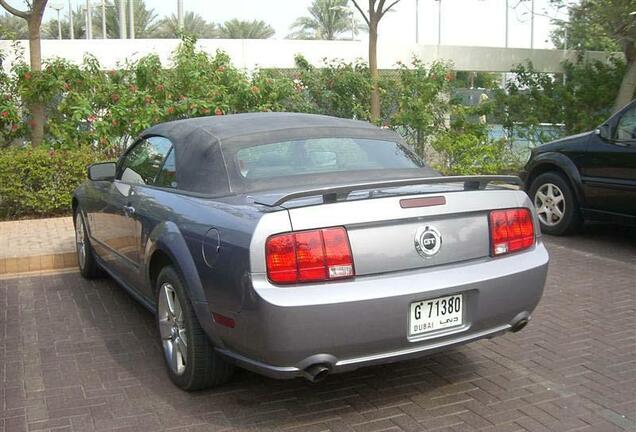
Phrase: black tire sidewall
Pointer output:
(571, 218)
(90, 269)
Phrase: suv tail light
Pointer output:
(511, 230)
(309, 256)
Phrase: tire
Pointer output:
(557, 207)
(180, 332)
(89, 269)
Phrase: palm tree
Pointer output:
(13, 27)
(328, 19)
(49, 28)
(239, 29)
(145, 19)
(192, 23)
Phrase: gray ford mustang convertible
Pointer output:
(303, 245)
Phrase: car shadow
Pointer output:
(129, 350)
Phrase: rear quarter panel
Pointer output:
(177, 224)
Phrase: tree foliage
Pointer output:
(604, 25)
(146, 19)
(580, 102)
(241, 29)
(193, 23)
(327, 19)
(49, 28)
(13, 27)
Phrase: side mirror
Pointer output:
(604, 132)
(103, 171)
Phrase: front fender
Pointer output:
(543, 161)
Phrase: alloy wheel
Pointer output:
(550, 204)
(172, 329)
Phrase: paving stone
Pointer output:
(83, 356)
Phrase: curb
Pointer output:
(37, 263)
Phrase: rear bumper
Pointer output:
(345, 325)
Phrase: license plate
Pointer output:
(436, 314)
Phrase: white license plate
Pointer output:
(436, 314)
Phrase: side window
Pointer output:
(168, 175)
(142, 163)
(626, 126)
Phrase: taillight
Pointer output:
(309, 256)
(511, 230)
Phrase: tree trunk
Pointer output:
(35, 57)
(373, 68)
(628, 85)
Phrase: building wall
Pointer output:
(272, 53)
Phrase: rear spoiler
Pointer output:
(330, 193)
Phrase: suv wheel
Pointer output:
(556, 205)
(190, 358)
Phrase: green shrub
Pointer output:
(40, 182)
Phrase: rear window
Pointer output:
(322, 155)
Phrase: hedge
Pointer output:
(40, 182)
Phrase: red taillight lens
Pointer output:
(511, 230)
(309, 256)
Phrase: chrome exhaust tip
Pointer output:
(316, 372)
(519, 325)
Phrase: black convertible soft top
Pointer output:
(205, 146)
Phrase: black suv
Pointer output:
(590, 176)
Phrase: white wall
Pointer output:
(280, 53)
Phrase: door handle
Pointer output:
(129, 210)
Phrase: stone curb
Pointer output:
(37, 263)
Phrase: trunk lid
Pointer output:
(385, 236)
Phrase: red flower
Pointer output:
(14, 127)
(91, 118)
(170, 110)
(4, 114)
(160, 87)
(218, 111)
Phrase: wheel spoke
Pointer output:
(558, 213)
(178, 312)
(183, 349)
(174, 357)
(164, 328)
(550, 192)
(169, 293)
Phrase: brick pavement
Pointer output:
(83, 356)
